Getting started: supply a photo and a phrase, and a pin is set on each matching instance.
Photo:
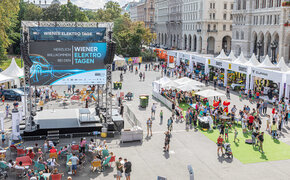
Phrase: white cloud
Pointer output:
(91, 4)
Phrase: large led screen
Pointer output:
(67, 63)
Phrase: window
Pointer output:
(213, 5)
(210, 15)
(257, 4)
(237, 35)
(232, 6)
(231, 17)
(225, 6)
(242, 35)
(239, 4)
(224, 27)
(213, 15)
(214, 27)
(231, 27)
(210, 5)
(263, 3)
(225, 16)
(244, 4)
(208, 27)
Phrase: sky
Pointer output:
(91, 4)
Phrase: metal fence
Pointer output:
(131, 117)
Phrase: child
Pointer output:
(227, 133)
(7, 110)
(236, 136)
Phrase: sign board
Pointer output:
(67, 33)
(267, 74)
(198, 59)
(238, 68)
(66, 63)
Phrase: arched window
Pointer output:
(237, 35)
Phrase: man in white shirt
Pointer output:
(20, 166)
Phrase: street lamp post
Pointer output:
(274, 46)
(259, 46)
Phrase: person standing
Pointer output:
(83, 145)
(143, 76)
(140, 75)
(149, 126)
(161, 117)
(153, 110)
(73, 88)
(128, 169)
(3, 99)
(74, 161)
(169, 124)
(260, 139)
(7, 110)
(220, 141)
(265, 104)
(119, 167)
(69, 88)
(228, 93)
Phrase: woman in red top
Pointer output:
(220, 141)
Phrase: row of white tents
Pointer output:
(12, 74)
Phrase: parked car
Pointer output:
(12, 94)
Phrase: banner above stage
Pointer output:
(67, 33)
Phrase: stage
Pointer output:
(66, 121)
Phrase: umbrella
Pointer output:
(216, 103)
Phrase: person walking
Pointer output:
(169, 124)
(149, 126)
(260, 139)
(140, 76)
(3, 99)
(265, 106)
(128, 169)
(119, 167)
(143, 76)
(228, 93)
(220, 142)
(153, 110)
(161, 117)
(167, 141)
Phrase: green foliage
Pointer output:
(31, 12)
(109, 13)
(148, 55)
(130, 36)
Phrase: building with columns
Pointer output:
(261, 27)
(203, 26)
(43, 3)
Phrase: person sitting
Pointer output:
(63, 150)
(11, 164)
(53, 163)
(30, 154)
(41, 176)
(30, 173)
(19, 166)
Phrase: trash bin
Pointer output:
(104, 132)
(120, 85)
(146, 97)
(115, 85)
(143, 100)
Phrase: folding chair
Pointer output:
(95, 165)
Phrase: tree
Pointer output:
(130, 36)
(32, 12)
(71, 12)
(8, 15)
(52, 13)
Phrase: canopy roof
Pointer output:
(163, 80)
(232, 56)
(253, 61)
(4, 78)
(210, 93)
(223, 56)
(13, 70)
(188, 87)
(282, 65)
(186, 80)
(267, 64)
(117, 58)
(171, 84)
(241, 59)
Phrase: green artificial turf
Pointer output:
(273, 149)
(184, 106)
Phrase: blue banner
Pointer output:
(67, 33)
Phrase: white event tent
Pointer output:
(188, 87)
(159, 83)
(241, 59)
(253, 61)
(267, 64)
(14, 72)
(210, 93)
(282, 65)
(119, 61)
(223, 56)
(232, 56)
